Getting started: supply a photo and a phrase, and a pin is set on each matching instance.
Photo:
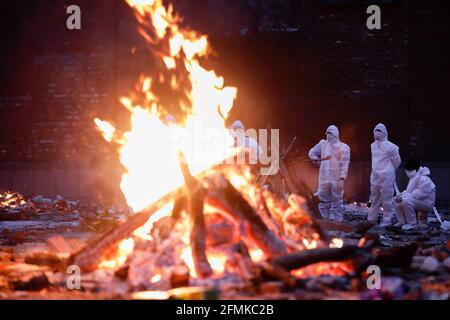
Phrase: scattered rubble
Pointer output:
(33, 259)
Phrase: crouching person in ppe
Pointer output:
(420, 194)
(334, 159)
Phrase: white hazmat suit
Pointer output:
(245, 141)
(335, 159)
(385, 161)
(420, 194)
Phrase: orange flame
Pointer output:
(126, 247)
(148, 150)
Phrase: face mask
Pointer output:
(329, 137)
(411, 173)
(377, 135)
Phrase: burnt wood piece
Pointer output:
(360, 228)
(93, 253)
(311, 199)
(244, 263)
(273, 271)
(225, 197)
(299, 204)
(195, 200)
(384, 258)
(297, 260)
(178, 207)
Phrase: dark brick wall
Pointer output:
(298, 64)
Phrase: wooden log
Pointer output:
(241, 262)
(48, 259)
(274, 271)
(395, 257)
(311, 199)
(223, 195)
(179, 276)
(276, 207)
(58, 244)
(88, 258)
(267, 216)
(345, 227)
(336, 226)
(299, 204)
(286, 176)
(195, 199)
(303, 258)
(178, 206)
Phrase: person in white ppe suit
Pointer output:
(420, 194)
(243, 140)
(385, 161)
(334, 159)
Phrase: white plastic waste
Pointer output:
(430, 264)
(445, 226)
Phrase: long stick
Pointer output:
(195, 199)
(397, 191)
(89, 257)
(303, 258)
(283, 156)
(437, 214)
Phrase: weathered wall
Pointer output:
(298, 64)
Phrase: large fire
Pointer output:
(148, 151)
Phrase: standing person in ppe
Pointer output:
(420, 194)
(334, 158)
(245, 141)
(385, 161)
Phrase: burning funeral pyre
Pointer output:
(199, 226)
(204, 218)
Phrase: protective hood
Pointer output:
(334, 132)
(423, 171)
(237, 125)
(383, 129)
(170, 119)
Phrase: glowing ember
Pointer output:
(310, 244)
(11, 200)
(126, 247)
(217, 262)
(187, 258)
(156, 278)
(257, 255)
(323, 268)
(107, 129)
(144, 231)
(336, 243)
